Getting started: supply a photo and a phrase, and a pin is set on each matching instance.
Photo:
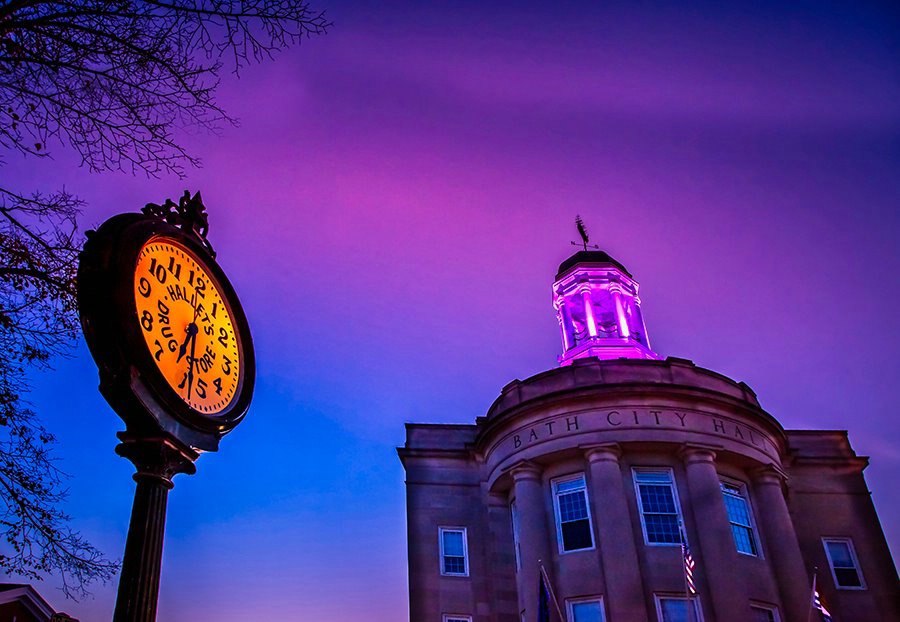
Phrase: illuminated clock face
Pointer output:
(187, 325)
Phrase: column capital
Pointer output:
(498, 499)
(605, 452)
(769, 475)
(525, 470)
(156, 458)
(691, 453)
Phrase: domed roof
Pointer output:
(589, 257)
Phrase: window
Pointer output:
(573, 519)
(738, 509)
(844, 565)
(658, 504)
(515, 529)
(454, 560)
(457, 618)
(678, 609)
(762, 613)
(586, 610)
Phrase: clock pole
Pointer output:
(142, 280)
(157, 460)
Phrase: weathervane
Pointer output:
(582, 231)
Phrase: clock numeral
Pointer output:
(226, 365)
(201, 288)
(144, 287)
(218, 384)
(158, 270)
(175, 268)
(201, 388)
(147, 321)
(215, 306)
(158, 354)
(223, 337)
(183, 381)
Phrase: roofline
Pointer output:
(30, 597)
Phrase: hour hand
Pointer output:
(190, 378)
(191, 331)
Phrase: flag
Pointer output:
(817, 603)
(545, 596)
(688, 566)
(543, 601)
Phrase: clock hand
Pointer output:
(192, 335)
(191, 330)
(183, 349)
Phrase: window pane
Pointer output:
(743, 540)
(576, 535)
(652, 477)
(657, 499)
(572, 506)
(675, 610)
(840, 554)
(573, 514)
(453, 543)
(586, 612)
(454, 565)
(570, 485)
(515, 527)
(762, 615)
(662, 528)
(847, 577)
(737, 510)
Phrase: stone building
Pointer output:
(572, 497)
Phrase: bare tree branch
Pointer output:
(115, 81)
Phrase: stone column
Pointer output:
(782, 548)
(624, 587)
(565, 325)
(589, 312)
(639, 319)
(726, 590)
(157, 460)
(534, 536)
(624, 332)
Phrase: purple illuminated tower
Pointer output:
(599, 311)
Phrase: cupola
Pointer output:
(598, 308)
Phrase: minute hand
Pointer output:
(192, 331)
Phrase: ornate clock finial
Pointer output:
(189, 214)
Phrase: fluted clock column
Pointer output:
(534, 541)
(624, 588)
(157, 460)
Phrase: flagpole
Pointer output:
(812, 596)
(687, 590)
(546, 580)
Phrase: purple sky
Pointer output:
(392, 210)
